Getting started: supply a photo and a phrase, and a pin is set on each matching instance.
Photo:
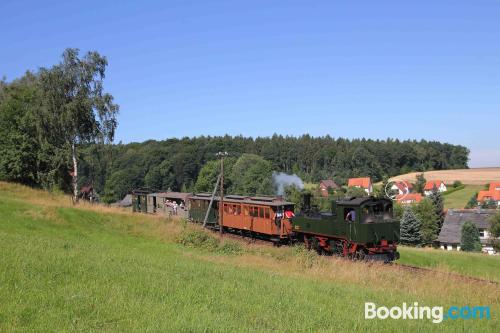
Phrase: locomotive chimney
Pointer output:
(306, 202)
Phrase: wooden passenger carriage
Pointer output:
(263, 216)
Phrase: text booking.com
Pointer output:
(437, 314)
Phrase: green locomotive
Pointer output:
(358, 228)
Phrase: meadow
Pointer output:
(460, 198)
(92, 268)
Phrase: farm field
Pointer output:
(459, 199)
(93, 268)
(474, 176)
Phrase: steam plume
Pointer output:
(282, 180)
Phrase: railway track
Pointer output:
(451, 274)
(258, 241)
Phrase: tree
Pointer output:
(470, 240)
(76, 110)
(295, 195)
(437, 200)
(426, 213)
(420, 183)
(252, 175)
(18, 144)
(208, 175)
(495, 229)
(410, 228)
(354, 191)
(472, 203)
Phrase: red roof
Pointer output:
(410, 197)
(491, 194)
(433, 183)
(403, 186)
(495, 186)
(328, 183)
(363, 182)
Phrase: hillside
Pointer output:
(475, 176)
(93, 268)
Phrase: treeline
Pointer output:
(56, 125)
(176, 163)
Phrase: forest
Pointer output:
(57, 128)
(176, 163)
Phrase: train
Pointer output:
(359, 228)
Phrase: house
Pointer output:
(402, 187)
(364, 183)
(409, 198)
(492, 194)
(439, 185)
(451, 231)
(327, 184)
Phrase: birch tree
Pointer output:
(76, 110)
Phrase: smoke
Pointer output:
(282, 180)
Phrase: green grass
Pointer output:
(66, 269)
(460, 198)
(471, 264)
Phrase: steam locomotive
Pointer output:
(362, 228)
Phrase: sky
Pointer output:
(427, 69)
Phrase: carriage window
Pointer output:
(261, 212)
(253, 211)
(256, 211)
(238, 210)
(245, 210)
(267, 213)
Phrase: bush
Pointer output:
(230, 248)
(198, 239)
(457, 183)
(201, 239)
(304, 257)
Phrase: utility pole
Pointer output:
(221, 155)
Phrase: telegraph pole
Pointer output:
(221, 155)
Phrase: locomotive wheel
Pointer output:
(307, 242)
(359, 255)
(315, 245)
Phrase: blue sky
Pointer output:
(375, 69)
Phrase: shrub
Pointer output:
(457, 183)
(304, 257)
(201, 239)
(230, 248)
(197, 239)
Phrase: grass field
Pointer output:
(474, 176)
(101, 269)
(470, 264)
(459, 199)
